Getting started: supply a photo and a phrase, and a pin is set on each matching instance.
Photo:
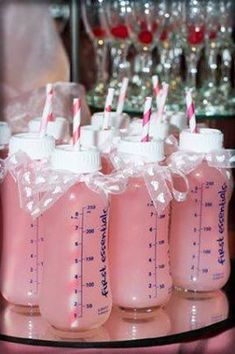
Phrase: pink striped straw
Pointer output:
(191, 111)
(146, 119)
(161, 100)
(122, 95)
(50, 91)
(156, 86)
(76, 123)
(108, 108)
(47, 111)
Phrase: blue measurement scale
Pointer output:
(201, 229)
(156, 246)
(36, 261)
(81, 230)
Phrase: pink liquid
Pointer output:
(22, 252)
(139, 261)
(99, 32)
(189, 311)
(196, 34)
(75, 292)
(120, 31)
(107, 166)
(198, 237)
(3, 155)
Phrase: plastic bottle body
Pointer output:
(199, 231)
(139, 259)
(22, 251)
(75, 292)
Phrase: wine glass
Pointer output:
(93, 14)
(116, 11)
(142, 24)
(195, 36)
(209, 91)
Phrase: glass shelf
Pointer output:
(187, 316)
(227, 113)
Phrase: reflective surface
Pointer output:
(186, 316)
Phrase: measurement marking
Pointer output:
(37, 246)
(200, 230)
(155, 258)
(82, 232)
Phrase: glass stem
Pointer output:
(120, 65)
(192, 62)
(166, 64)
(101, 63)
(212, 68)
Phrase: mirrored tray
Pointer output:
(187, 316)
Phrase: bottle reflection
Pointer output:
(127, 325)
(99, 334)
(17, 322)
(189, 311)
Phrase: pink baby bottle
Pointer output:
(58, 129)
(22, 250)
(139, 260)
(199, 232)
(101, 139)
(75, 292)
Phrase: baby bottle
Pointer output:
(198, 235)
(101, 139)
(139, 262)
(5, 134)
(75, 293)
(190, 310)
(22, 251)
(59, 129)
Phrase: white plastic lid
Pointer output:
(100, 139)
(158, 129)
(204, 141)
(5, 133)
(152, 151)
(135, 126)
(59, 128)
(179, 120)
(36, 147)
(66, 158)
(118, 121)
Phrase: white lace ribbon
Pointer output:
(189, 161)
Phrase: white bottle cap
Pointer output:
(66, 158)
(32, 144)
(5, 133)
(179, 120)
(59, 128)
(152, 151)
(135, 126)
(158, 129)
(100, 139)
(118, 121)
(204, 141)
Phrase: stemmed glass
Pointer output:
(225, 45)
(93, 14)
(195, 36)
(116, 11)
(209, 90)
(142, 24)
